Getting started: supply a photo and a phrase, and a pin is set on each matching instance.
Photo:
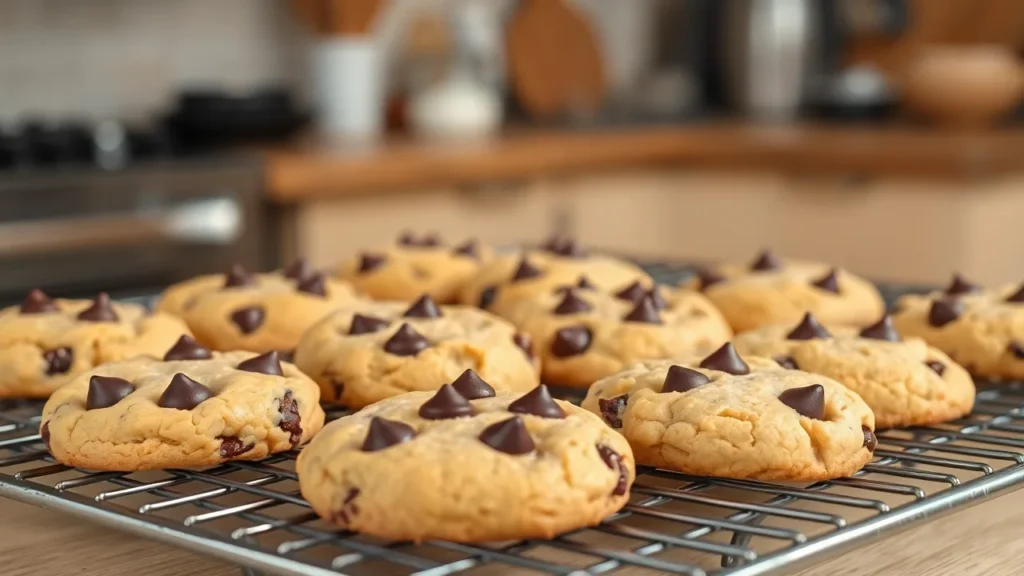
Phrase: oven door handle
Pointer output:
(215, 221)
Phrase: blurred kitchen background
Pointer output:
(145, 141)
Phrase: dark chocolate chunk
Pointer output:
(105, 391)
(471, 386)
(938, 367)
(238, 277)
(525, 271)
(291, 421)
(314, 284)
(37, 302)
(186, 348)
(537, 402)
(269, 364)
(1016, 349)
(58, 360)
(525, 343)
(406, 342)
(425, 307)
(613, 460)
(566, 247)
(1015, 298)
(571, 304)
(725, 359)
(808, 401)
(645, 312)
(248, 319)
(958, 286)
(487, 296)
(446, 403)
(584, 283)
(366, 325)
(368, 262)
(44, 433)
(99, 311)
(786, 362)
(298, 270)
(870, 440)
(231, 446)
(571, 341)
(633, 293)
(766, 261)
(612, 409)
(680, 379)
(468, 248)
(338, 387)
(508, 436)
(944, 311)
(881, 330)
(829, 282)
(183, 393)
(656, 298)
(385, 433)
(708, 277)
(430, 240)
(808, 329)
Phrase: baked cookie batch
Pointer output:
(776, 370)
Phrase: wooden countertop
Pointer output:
(309, 170)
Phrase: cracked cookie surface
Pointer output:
(438, 466)
(44, 343)
(141, 414)
(767, 424)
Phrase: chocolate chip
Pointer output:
(105, 391)
(613, 460)
(186, 348)
(959, 286)
(786, 362)
(808, 401)
(708, 278)
(269, 364)
(338, 387)
(298, 270)
(571, 341)
(58, 360)
(366, 325)
(525, 271)
(1016, 349)
(426, 241)
(645, 312)
(944, 311)
(829, 282)
(291, 421)
(633, 293)
(369, 262)
(566, 247)
(471, 386)
(99, 311)
(537, 402)
(183, 393)
(766, 261)
(406, 342)
(881, 330)
(612, 409)
(808, 329)
(1015, 298)
(231, 446)
(314, 284)
(870, 440)
(656, 298)
(468, 248)
(725, 359)
(446, 403)
(487, 296)
(238, 277)
(938, 367)
(425, 307)
(571, 304)
(348, 506)
(44, 433)
(680, 379)
(248, 319)
(525, 343)
(584, 283)
(37, 302)
(385, 433)
(508, 436)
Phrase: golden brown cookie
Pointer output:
(45, 343)
(474, 468)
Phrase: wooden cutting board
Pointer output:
(555, 61)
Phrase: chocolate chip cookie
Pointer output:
(371, 351)
(256, 312)
(560, 263)
(467, 465)
(776, 291)
(980, 328)
(737, 417)
(191, 408)
(583, 335)
(416, 265)
(44, 343)
(904, 381)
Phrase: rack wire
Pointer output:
(251, 513)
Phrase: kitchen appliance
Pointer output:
(209, 118)
(89, 207)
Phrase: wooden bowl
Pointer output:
(969, 86)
